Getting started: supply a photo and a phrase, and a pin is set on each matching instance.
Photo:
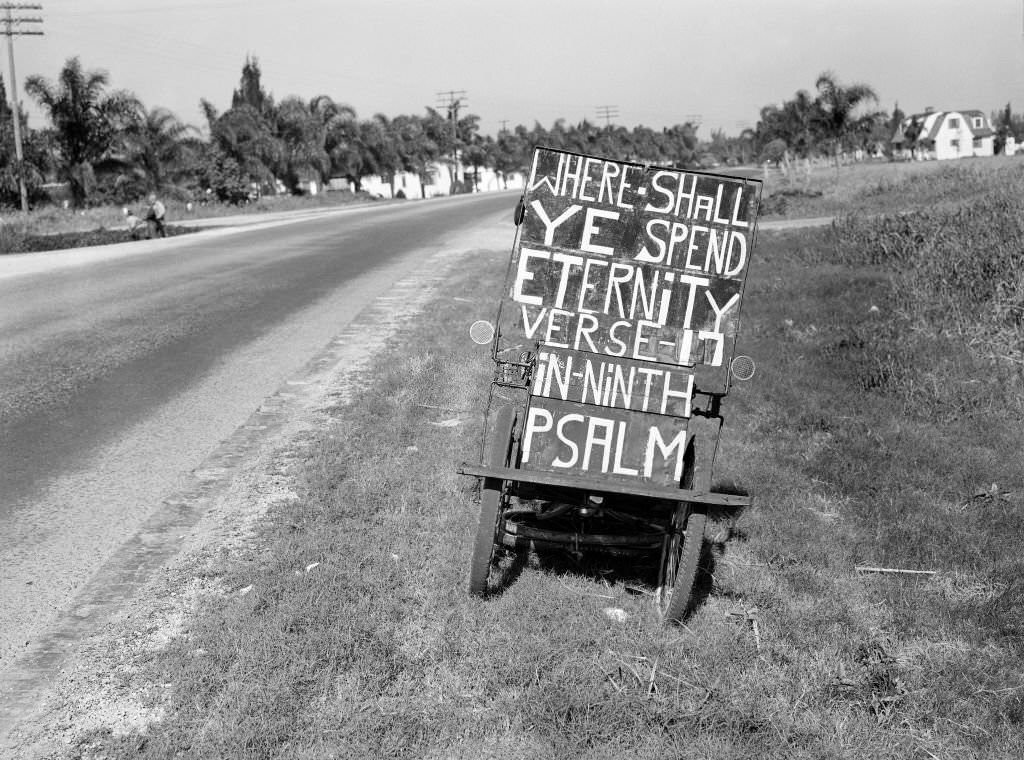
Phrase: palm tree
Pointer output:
(155, 145)
(245, 136)
(801, 115)
(509, 154)
(416, 148)
(678, 145)
(86, 120)
(838, 103)
(340, 134)
(301, 132)
(477, 154)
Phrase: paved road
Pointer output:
(118, 376)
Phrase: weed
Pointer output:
(378, 651)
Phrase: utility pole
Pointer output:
(453, 100)
(10, 24)
(503, 127)
(607, 113)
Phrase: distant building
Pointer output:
(439, 178)
(940, 135)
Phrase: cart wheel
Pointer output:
(681, 552)
(679, 566)
(491, 496)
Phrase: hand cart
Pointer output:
(613, 350)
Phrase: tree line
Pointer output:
(109, 147)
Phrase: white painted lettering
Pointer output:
(556, 327)
(591, 230)
(568, 441)
(655, 441)
(537, 421)
(523, 274)
(662, 190)
(603, 440)
(620, 347)
(568, 261)
(704, 205)
(741, 256)
(527, 327)
(586, 325)
(719, 339)
(620, 447)
(586, 286)
(736, 209)
(694, 283)
(585, 180)
(550, 225)
(719, 312)
(668, 393)
(688, 193)
(641, 341)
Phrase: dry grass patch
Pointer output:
(347, 631)
(880, 187)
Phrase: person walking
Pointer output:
(155, 217)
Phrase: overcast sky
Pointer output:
(656, 62)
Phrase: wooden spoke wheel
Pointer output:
(492, 500)
(679, 558)
(680, 554)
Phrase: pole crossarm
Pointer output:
(453, 100)
(607, 113)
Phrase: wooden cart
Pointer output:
(613, 349)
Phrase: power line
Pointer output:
(17, 26)
(150, 8)
(607, 113)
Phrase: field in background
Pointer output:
(882, 187)
(880, 431)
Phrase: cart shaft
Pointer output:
(568, 481)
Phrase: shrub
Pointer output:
(957, 271)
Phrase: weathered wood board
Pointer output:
(627, 280)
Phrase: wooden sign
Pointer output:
(627, 280)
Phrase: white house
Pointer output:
(443, 180)
(944, 134)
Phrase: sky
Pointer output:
(651, 62)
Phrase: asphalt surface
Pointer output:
(120, 370)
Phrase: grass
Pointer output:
(103, 224)
(345, 631)
(881, 187)
(876, 433)
(12, 242)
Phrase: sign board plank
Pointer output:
(614, 383)
(603, 443)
